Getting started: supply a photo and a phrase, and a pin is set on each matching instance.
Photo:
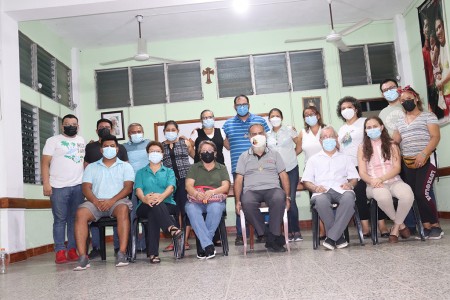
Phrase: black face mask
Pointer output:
(207, 157)
(103, 132)
(409, 105)
(70, 130)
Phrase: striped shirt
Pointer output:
(415, 136)
(237, 134)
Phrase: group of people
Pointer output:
(392, 155)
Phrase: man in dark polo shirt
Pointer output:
(93, 154)
(259, 172)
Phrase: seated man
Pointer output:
(106, 185)
(331, 177)
(259, 171)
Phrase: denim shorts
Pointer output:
(99, 214)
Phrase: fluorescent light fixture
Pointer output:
(241, 6)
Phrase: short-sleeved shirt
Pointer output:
(330, 171)
(415, 136)
(350, 137)
(212, 178)
(282, 142)
(150, 182)
(137, 154)
(260, 173)
(108, 181)
(93, 152)
(237, 134)
(66, 165)
(390, 116)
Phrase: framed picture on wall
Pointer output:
(116, 118)
(313, 101)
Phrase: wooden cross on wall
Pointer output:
(208, 72)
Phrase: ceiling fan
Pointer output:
(335, 37)
(142, 53)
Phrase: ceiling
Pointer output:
(212, 18)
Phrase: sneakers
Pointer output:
(426, 232)
(72, 255)
(95, 252)
(274, 247)
(61, 257)
(168, 248)
(261, 239)
(341, 243)
(210, 252)
(201, 254)
(435, 233)
(291, 237)
(121, 259)
(83, 263)
(298, 237)
(239, 241)
(329, 244)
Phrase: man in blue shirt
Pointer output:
(106, 185)
(236, 130)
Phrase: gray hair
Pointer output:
(206, 142)
(256, 124)
(135, 124)
(328, 127)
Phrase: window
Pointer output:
(270, 73)
(153, 84)
(63, 84)
(25, 58)
(368, 64)
(46, 73)
(372, 107)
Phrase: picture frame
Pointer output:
(116, 117)
(313, 101)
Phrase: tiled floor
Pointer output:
(410, 269)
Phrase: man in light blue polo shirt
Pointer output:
(106, 185)
(138, 158)
(236, 130)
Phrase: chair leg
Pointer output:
(374, 220)
(251, 236)
(418, 220)
(315, 228)
(286, 233)
(358, 226)
(223, 236)
(102, 232)
(244, 230)
(134, 238)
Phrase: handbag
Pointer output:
(411, 160)
(203, 189)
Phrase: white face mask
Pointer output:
(137, 138)
(275, 121)
(155, 157)
(258, 141)
(348, 113)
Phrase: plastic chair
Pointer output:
(101, 225)
(374, 219)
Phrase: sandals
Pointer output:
(175, 232)
(154, 259)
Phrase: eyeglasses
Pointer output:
(310, 115)
(208, 118)
(155, 151)
(241, 105)
(389, 88)
(327, 137)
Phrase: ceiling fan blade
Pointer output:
(341, 45)
(355, 27)
(116, 61)
(305, 40)
(161, 59)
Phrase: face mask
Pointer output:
(137, 138)
(207, 157)
(70, 130)
(275, 121)
(311, 120)
(109, 152)
(374, 133)
(329, 144)
(348, 113)
(155, 157)
(171, 136)
(103, 132)
(258, 141)
(242, 110)
(208, 123)
(409, 105)
(391, 95)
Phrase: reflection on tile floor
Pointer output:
(411, 269)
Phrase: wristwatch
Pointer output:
(288, 197)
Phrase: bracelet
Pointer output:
(423, 154)
(288, 197)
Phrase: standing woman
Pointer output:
(176, 156)
(351, 135)
(418, 135)
(284, 140)
(154, 186)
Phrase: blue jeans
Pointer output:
(293, 211)
(65, 203)
(205, 229)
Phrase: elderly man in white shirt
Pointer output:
(331, 177)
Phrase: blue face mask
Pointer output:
(374, 133)
(329, 144)
(311, 120)
(109, 152)
(391, 95)
(242, 110)
(171, 136)
(137, 138)
(208, 123)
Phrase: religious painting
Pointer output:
(116, 118)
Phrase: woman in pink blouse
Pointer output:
(379, 164)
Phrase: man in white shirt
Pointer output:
(331, 177)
